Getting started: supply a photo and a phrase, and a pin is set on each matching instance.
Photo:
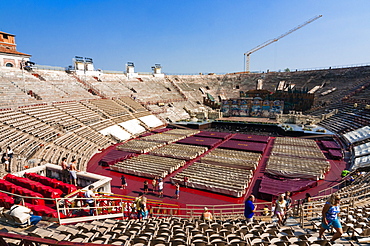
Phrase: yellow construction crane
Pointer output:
(268, 42)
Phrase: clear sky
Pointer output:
(190, 36)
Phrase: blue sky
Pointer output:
(190, 36)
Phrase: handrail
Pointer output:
(222, 211)
(131, 198)
(330, 189)
(115, 207)
(310, 209)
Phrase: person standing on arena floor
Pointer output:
(146, 187)
(249, 208)
(160, 187)
(288, 201)
(177, 191)
(65, 172)
(73, 172)
(154, 184)
(186, 181)
(123, 182)
(280, 209)
(330, 217)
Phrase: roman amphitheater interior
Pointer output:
(47, 113)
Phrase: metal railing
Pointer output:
(75, 207)
(46, 67)
(222, 212)
(56, 68)
(312, 211)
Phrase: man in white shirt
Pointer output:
(160, 187)
(23, 213)
(90, 194)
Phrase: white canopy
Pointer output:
(117, 132)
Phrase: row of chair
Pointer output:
(179, 151)
(149, 166)
(53, 117)
(296, 142)
(297, 167)
(139, 146)
(297, 151)
(163, 138)
(232, 158)
(215, 178)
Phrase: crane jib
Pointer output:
(268, 42)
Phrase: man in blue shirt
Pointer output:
(249, 208)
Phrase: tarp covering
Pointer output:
(276, 187)
(336, 154)
(208, 142)
(151, 121)
(251, 138)
(117, 132)
(132, 126)
(361, 162)
(358, 134)
(330, 145)
(221, 135)
(115, 156)
(361, 150)
(244, 145)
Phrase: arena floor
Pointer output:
(194, 196)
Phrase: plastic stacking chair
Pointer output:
(237, 242)
(302, 243)
(218, 242)
(177, 242)
(143, 240)
(216, 227)
(199, 242)
(257, 242)
(81, 240)
(158, 241)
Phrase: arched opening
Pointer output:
(9, 64)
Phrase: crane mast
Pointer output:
(268, 42)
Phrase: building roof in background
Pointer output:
(13, 52)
